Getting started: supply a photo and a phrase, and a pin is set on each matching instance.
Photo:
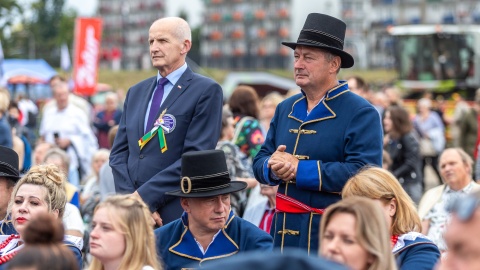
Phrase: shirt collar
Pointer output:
(175, 75)
(465, 190)
(200, 245)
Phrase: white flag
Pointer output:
(65, 58)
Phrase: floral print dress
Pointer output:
(249, 136)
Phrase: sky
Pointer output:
(84, 7)
(194, 10)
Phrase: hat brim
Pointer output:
(347, 59)
(14, 177)
(232, 187)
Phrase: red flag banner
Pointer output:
(88, 33)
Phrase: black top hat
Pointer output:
(324, 32)
(9, 163)
(205, 174)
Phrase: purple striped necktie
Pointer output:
(156, 102)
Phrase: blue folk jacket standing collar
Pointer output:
(222, 245)
(322, 111)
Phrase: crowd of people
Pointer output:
(331, 176)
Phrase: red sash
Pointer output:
(287, 204)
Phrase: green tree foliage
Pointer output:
(45, 27)
(42, 34)
(9, 11)
(66, 30)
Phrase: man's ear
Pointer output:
(187, 45)
(185, 203)
(335, 64)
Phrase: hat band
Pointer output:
(203, 184)
(319, 38)
(8, 169)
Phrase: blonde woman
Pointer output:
(411, 248)
(122, 235)
(40, 190)
(354, 232)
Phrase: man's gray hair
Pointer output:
(56, 152)
(330, 56)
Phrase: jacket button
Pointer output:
(141, 156)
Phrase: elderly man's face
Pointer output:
(166, 50)
(111, 103)
(207, 214)
(311, 67)
(40, 151)
(462, 239)
(60, 94)
(453, 170)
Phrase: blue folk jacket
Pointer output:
(340, 135)
(178, 249)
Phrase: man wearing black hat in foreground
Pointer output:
(9, 176)
(208, 229)
(317, 139)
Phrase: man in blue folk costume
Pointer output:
(208, 229)
(317, 139)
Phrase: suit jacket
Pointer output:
(177, 247)
(339, 136)
(196, 103)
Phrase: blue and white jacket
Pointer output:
(415, 251)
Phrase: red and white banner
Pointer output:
(88, 34)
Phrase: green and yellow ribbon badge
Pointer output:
(158, 127)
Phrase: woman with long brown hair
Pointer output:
(402, 145)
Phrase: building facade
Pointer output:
(247, 34)
(125, 31)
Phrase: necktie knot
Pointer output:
(162, 81)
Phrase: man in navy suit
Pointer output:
(187, 114)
